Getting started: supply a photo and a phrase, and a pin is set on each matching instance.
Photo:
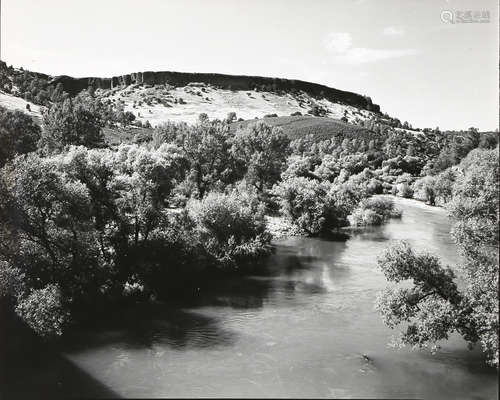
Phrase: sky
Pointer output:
(412, 57)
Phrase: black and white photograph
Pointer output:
(249, 199)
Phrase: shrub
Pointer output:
(375, 187)
(404, 190)
(374, 211)
(314, 207)
(230, 226)
(317, 111)
(43, 311)
(303, 201)
(425, 188)
(11, 283)
(366, 217)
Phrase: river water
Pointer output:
(300, 330)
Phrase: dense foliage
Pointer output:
(433, 306)
(74, 121)
(19, 134)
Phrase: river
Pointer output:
(300, 330)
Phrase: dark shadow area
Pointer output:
(145, 325)
(31, 368)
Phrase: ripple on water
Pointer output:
(299, 331)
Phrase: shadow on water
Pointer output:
(146, 325)
(33, 369)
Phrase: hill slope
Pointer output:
(161, 103)
(322, 128)
(13, 103)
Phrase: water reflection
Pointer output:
(302, 328)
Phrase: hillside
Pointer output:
(157, 97)
(161, 103)
(220, 81)
(322, 128)
(13, 103)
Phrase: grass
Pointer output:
(300, 126)
(294, 127)
(132, 134)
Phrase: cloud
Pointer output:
(339, 45)
(394, 31)
(338, 42)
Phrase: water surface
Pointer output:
(300, 330)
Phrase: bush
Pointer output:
(230, 226)
(314, 207)
(11, 283)
(317, 111)
(425, 189)
(366, 217)
(375, 187)
(303, 201)
(374, 211)
(404, 190)
(43, 311)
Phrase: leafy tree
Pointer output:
(313, 206)
(425, 188)
(263, 150)
(231, 227)
(443, 185)
(433, 306)
(75, 121)
(231, 117)
(19, 134)
(203, 117)
(374, 211)
(304, 202)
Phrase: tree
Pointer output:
(263, 150)
(19, 134)
(443, 185)
(231, 117)
(425, 188)
(313, 206)
(433, 306)
(231, 226)
(75, 121)
(317, 111)
(203, 117)
(207, 150)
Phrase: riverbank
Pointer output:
(280, 227)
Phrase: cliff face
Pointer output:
(235, 82)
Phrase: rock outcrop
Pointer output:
(234, 82)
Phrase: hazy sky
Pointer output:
(399, 52)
